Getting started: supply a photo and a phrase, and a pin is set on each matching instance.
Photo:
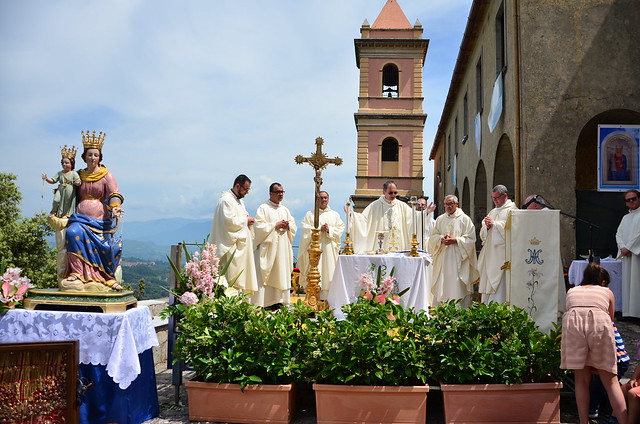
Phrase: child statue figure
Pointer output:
(64, 201)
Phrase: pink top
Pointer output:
(92, 196)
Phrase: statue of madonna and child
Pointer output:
(85, 214)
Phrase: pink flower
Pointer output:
(21, 291)
(189, 298)
(391, 317)
(11, 274)
(381, 298)
(7, 289)
(395, 299)
(367, 282)
(368, 295)
(387, 285)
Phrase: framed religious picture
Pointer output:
(618, 157)
(39, 382)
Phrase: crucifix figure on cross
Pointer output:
(318, 162)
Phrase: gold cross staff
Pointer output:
(318, 162)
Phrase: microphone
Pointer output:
(534, 199)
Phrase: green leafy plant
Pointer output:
(494, 343)
(228, 340)
(379, 343)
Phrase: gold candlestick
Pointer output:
(312, 298)
(347, 250)
(414, 246)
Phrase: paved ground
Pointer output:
(170, 412)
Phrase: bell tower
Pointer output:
(390, 122)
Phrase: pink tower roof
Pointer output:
(391, 17)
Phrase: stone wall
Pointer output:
(162, 329)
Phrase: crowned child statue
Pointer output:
(64, 201)
(93, 252)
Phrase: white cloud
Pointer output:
(192, 93)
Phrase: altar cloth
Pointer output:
(411, 272)
(114, 340)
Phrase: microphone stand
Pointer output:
(591, 226)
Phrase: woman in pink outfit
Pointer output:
(588, 342)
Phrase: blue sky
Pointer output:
(192, 93)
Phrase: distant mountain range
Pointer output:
(152, 240)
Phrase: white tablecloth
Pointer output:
(410, 272)
(614, 267)
(114, 340)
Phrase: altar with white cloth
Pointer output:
(411, 272)
(115, 356)
(613, 266)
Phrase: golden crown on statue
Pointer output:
(69, 153)
(93, 140)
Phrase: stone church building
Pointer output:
(532, 83)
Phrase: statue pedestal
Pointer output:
(57, 300)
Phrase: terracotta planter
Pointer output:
(370, 404)
(227, 403)
(502, 403)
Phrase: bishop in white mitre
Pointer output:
(386, 215)
(492, 256)
(628, 239)
(452, 245)
(274, 230)
(232, 233)
(331, 229)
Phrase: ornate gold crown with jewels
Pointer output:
(93, 140)
(69, 153)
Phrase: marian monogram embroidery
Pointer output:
(534, 257)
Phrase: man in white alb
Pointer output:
(424, 221)
(628, 239)
(452, 245)
(492, 256)
(386, 215)
(274, 229)
(331, 229)
(232, 233)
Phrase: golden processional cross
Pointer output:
(318, 161)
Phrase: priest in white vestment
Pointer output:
(424, 222)
(628, 239)
(232, 233)
(274, 230)
(492, 256)
(452, 245)
(386, 215)
(331, 229)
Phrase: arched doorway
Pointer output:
(480, 199)
(465, 202)
(503, 170)
(604, 209)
